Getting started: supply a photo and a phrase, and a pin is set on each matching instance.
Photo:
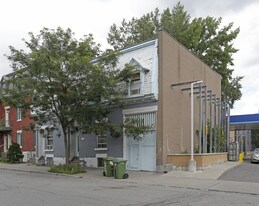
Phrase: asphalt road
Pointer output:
(31, 189)
(245, 172)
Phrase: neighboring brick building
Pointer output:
(15, 127)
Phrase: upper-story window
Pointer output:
(136, 83)
(18, 114)
(7, 116)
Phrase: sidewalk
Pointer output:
(201, 180)
(24, 167)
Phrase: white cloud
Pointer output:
(96, 16)
(83, 17)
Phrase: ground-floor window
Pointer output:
(49, 140)
(19, 137)
(101, 141)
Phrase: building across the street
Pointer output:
(240, 130)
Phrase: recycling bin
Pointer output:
(108, 167)
(120, 169)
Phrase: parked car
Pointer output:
(255, 155)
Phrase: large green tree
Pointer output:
(205, 37)
(62, 79)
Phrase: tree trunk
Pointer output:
(68, 144)
(65, 144)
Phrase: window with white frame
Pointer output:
(18, 114)
(19, 139)
(135, 84)
(49, 139)
(102, 141)
(7, 116)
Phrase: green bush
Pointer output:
(67, 169)
(14, 153)
(3, 157)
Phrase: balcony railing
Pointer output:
(7, 123)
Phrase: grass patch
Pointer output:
(67, 169)
(4, 160)
(7, 161)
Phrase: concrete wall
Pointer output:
(202, 160)
(176, 64)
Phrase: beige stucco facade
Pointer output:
(176, 64)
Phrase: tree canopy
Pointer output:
(61, 78)
(205, 37)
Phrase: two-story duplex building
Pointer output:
(150, 97)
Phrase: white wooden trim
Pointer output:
(154, 82)
(139, 110)
(49, 155)
(100, 155)
(100, 149)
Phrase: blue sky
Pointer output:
(96, 16)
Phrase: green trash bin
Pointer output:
(108, 167)
(120, 169)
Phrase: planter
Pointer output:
(202, 160)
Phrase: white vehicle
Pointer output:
(255, 155)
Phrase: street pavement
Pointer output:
(200, 180)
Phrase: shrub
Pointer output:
(14, 153)
(3, 157)
(67, 169)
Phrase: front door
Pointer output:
(133, 155)
(141, 155)
(148, 160)
(7, 142)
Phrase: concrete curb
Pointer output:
(30, 171)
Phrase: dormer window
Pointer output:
(135, 84)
